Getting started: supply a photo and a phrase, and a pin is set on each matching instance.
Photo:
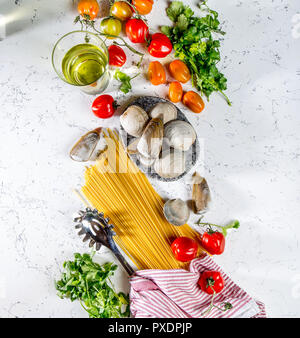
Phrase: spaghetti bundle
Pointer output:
(115, 186)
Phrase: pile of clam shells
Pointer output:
(160, 139)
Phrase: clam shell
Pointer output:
(201, 194)
(134, 120)
(176, 212)
(85, 146)
(151, 141)
(180, 134)
(170, 164)
(166, 111)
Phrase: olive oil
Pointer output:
(84, 64)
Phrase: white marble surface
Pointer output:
(251, 154)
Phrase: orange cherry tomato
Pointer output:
(88, 7)
(143, 7)
(175, 91)
(193, 101)
(156, 73)
(121, 10)
(179, 71)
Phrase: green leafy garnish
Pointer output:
(125, 79)
(89, 282)
(194, 43)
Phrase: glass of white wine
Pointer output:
(80, 58)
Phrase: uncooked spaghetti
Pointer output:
(115, 186)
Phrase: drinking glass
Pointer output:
(80, 58)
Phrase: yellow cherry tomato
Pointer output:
(179, 71)
(111, 26)
(88, 7)
(156, 73)
(175, 92)
(121, 10)
(193, 101)
(143, 7)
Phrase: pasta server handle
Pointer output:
(98, 231)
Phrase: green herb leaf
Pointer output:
(182, 22)
(166, 30)
(125, 79)
(86, 281)
(195, 44)
(125, 87)
(175, 9)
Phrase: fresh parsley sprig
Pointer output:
(194, 43)
(89, 282)
(125, 79)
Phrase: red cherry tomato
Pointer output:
(117, 56)
(137, 31)
(160, 45)
(211, 282)
(104, 106)
(213, 242)
(184, 249)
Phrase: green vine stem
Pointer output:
(227, 305)
(89, 23)
(232, 225)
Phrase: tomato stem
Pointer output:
(232, 225)
(227, 305)
(90, 23)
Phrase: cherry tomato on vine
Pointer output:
(211, 282)
(156, 73)
(184, 249)
(121, 10)
(175, 91)
(213, 242)
(137, 31)
(104, 106)
(111, 26)
(160, 45)
(193, 101)
(117, 56)
(88, 7)
(179, 71)
(143, 7)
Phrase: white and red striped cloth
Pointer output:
(175, 294)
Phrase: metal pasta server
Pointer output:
(97, 229)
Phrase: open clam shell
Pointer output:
(83, 149)
(201, 194)
(150, 143)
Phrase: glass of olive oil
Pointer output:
(80, 58)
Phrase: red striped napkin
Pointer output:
(175, 294)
